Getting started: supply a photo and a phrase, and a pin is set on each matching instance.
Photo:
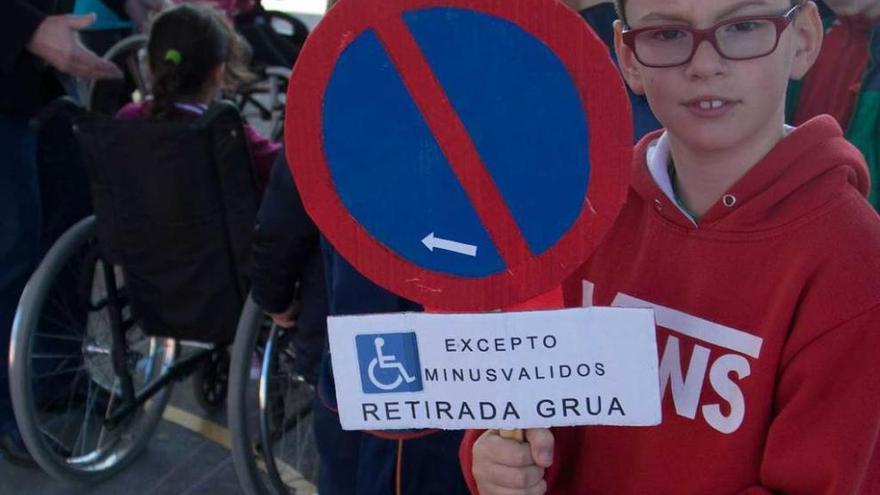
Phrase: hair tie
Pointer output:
(173, 56)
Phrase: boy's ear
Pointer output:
(626, 61)
(808, 32)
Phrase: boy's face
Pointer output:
(711, 103)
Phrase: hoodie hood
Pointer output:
(814, 158)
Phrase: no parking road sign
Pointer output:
(466, 154)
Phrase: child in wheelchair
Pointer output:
(194, 55)
(265, 45)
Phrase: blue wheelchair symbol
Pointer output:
(389, 362)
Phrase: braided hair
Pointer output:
(186, 43)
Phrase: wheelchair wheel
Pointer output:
(270, 412)
(63, 377)
(277, 78)
(109, 95)
(211, 381)
(266, 99)
(289, 26)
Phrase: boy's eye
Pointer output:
(743, 27)
(667, 34)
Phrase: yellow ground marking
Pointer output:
(220, 435)
(207, 429)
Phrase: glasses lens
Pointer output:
(659, 47)
(746, 39)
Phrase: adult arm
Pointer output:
(56, 42)
(17, 25)
(52, 38)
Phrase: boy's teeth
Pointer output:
(709, 104)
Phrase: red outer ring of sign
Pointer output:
(604, 102)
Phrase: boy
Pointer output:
(755, 246)
(845, 81)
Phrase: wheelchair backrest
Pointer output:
(175, 204)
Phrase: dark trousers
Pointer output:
(20, 226)
(358, 463)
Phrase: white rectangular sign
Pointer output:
(585, 366)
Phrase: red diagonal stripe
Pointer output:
(453, 139)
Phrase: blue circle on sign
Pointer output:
(522, 112)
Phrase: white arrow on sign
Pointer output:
(431, 242)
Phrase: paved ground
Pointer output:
(180, 460)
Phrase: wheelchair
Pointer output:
(98, 334)
(270, 411)
(275, 39)
(107, 96)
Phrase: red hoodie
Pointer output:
(768, 314)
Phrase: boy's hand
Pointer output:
(506, 467)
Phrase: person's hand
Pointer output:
(287, 318)
(503, 466)
(56, 42)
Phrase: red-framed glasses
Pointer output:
(740, 38)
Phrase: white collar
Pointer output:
(657, 158)
(196, 108)
(658, 165)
